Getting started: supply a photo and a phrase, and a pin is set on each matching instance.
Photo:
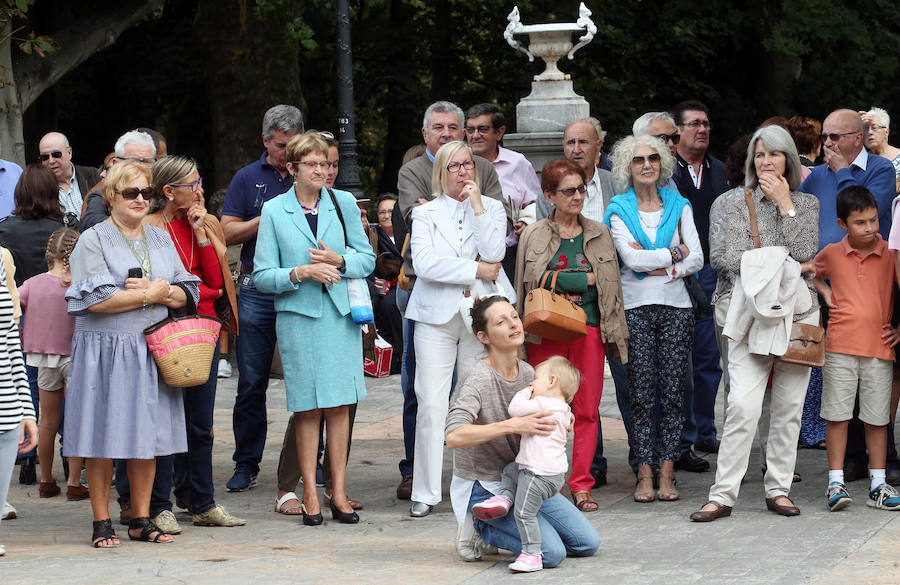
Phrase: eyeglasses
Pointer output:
(192, 186)
(835, 136)
(696, 124)
(876, 128)
(131, 193)
(55, 154)
(640, 161)
(675, 138)
(313, 165)
(570, 191)
(483, 129)
(142, 160)
(454, 166)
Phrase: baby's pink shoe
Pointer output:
(526, 563)
(493, 507)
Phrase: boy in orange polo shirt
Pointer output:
(858, 344)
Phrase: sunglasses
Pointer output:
(653, 159)
(131, 193)
(570, 191)
(675, 138)
(55, 154)
(483, 129)
(834, 136)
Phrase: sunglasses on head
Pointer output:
(675, 138)
(46, 156)
(131, 193)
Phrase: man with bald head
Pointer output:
(581, 145)
(74, 181)
(847, 163)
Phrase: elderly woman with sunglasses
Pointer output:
(583, 250)
(653, 228)
(123, 279)
(457, 244)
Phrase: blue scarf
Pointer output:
(625, 206)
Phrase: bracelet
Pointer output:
(296, 274)
(343, 265)
(144, 300)
(674, 252)
(203, 244)
(482, 212)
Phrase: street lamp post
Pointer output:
(348, 176)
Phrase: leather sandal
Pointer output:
(584, 502)
(103, 532)
(288, 510)
(667, 493)
(720, 511)
(643, 492)
(150, 532)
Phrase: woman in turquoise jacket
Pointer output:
(301, 256)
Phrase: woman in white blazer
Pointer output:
(457, 245)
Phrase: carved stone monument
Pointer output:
(542, 116)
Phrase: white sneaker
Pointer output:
(469, 544)
(224, 370)
(8, 511)
(2, 550)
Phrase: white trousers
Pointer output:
(748, 375)
(439, 349)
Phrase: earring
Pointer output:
(171, 199)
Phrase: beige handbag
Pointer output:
(551, 315)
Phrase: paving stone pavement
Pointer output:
(642, 543)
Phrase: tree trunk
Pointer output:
(11, 134)
(251, 66)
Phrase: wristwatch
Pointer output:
(790, 213)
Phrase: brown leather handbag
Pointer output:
(806, 346)
(551, 315)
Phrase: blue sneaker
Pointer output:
(242, 480)
(837, 495)
(884, 497)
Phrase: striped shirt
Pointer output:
(15, 395)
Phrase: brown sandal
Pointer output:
(644, 494)
(667, 494)
(584, 502)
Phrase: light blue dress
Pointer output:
(320, 346)
(116, 405)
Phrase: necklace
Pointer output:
(314, 210)
(143, 255)
(644, 217)
(184, 257)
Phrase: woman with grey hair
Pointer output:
(653, 229)
(878, 127)
(787, 225)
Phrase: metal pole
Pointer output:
(348, 176)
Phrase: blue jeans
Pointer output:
(407, 386)
(193, 470)
(564, 529)
(162, 485)
(255, 347)
(707, 370)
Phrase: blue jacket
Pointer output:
(283, 242)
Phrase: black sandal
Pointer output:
(103, 530)
(147, 528)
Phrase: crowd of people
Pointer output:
(694, 277)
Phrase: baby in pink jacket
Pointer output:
(539, 470)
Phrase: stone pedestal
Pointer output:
(538, 147)
(551, 106)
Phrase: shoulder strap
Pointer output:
(751, 208)
(340, 215)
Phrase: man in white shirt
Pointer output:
(485, 127)
(74, 181)
(581, 145)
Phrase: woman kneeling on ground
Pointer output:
(485, 439)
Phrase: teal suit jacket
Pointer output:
(283, 242)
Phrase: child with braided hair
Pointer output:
(47, 342)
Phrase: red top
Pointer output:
(200, 261)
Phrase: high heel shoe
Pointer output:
(311, 519)
(342, 517)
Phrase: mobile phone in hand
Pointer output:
(135, 272)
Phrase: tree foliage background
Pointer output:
(204, 72)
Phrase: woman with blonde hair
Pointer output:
(457, 245)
